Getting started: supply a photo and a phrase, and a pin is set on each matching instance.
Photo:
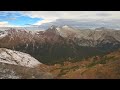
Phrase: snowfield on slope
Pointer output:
(17, 58)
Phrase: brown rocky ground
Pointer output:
(9, 71)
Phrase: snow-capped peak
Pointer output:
(52, 27)
(17, 58)
(66, 26)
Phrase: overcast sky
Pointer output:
(78, 19)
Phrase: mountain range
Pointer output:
(60, 43)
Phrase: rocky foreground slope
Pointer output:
(18, 65)
(17, 58)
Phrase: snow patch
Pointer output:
(17, 58)
(98, 30)
(58, 29)
(65, 26)
(3, 34)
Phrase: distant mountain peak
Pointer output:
(53, 27)
(66, 26)
(101, 28)
(62, 26)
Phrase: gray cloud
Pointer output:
(83, 23)
(78, 19)
(103, 14)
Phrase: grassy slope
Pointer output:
(106, 67)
